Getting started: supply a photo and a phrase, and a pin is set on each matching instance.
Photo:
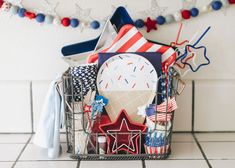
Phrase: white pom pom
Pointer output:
(177, 16)
(225, 3)
(57, 21)
(206, 8)
(84, 24)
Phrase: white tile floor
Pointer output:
(17, 151)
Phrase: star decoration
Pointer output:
(17, 2)
(50, 8)
(194, 49)
(141, 111)
(98, 105)
(123, 135)
(113, 8)
(154, 10)
(189, 48)
(82, 15)
(181, 68)
(87, 108)
(188, 4)
(150, 24)
(169, 57)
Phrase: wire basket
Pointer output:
(83, 142)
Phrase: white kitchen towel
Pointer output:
(51, 120)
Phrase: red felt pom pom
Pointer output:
(30, 15)
(231, 1)
(151, 24)
(185, 14)
(1, 3)
(65, 22)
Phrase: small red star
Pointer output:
(150, 24)
(87, 108)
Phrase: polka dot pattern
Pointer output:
(84, 79)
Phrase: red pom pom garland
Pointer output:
(150, 24)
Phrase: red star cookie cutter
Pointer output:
(123, 134)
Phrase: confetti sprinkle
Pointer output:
(126, 81)
(147, 85)
(119, 77)
(133, 86)
(120, 57)
(146, 63)
(107, 65)
(129, 63)
(100, 82)
(106, 85)
(102, 71)
(142, 68)
(151, 71)
(134, 68)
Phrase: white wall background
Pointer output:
(31, 58)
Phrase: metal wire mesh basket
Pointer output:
(83, 144)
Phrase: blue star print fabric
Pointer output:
(83, 80)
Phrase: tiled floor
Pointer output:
(17, 150)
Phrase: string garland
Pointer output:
(150, 24)
(185, 14)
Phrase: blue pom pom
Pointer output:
(95, 24)
(40, 18)
(216, 5)
(194, 12)
(161, 20)
(139, 23)
(74, 23)
(21, 12)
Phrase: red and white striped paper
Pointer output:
(156, 150)
(129, 39)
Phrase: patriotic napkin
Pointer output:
(129, 39)
(163, 110)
